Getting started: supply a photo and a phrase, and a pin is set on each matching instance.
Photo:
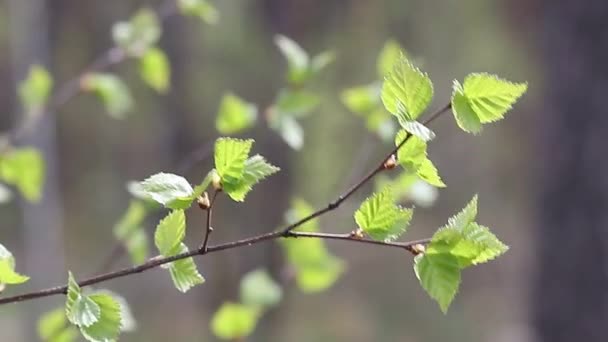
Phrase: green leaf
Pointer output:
(258, 289)
(170, 232)
(7, 269)
(483, 98)
(230, 157)
(289, 129)
(80, 309)
(428, 172)
(34, 91)
(381, 218)
(170, 190)
(362, 99)
(297, 59)
(466, 216)
(256, 169)
(52, 327)
(155, 70)
(235, 115)
(108, 327)
(439, 275)
(24, 168)
(112, 91)
(390, 54)
(321, 61)
(296, 103)
(417, 129)
(129, 231)
(406, 91)
(183, 272)
(318, 277)
(234, 321)
(138, 34)
(202, 9)
(413, 157)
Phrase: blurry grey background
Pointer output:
(539, 173)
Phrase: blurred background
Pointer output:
(539, 173)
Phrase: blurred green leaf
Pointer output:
(170, 190)
(35, 89)
(155, 70)
(108, 326)
(170, 232)
(439, 275)
(258, 289)
(184, 272)
(255, 170)
(296, 103)
(52, 327)
(321, 61)
(112, 91)
(362, 99)
(381, 218)
(389, 56)
(230, 157)
(138, 34)
(406, 91)
(289, 129)
(7, 269)
(483, 98)
(129, 231)
(235, 115)
(234, 321)
(80, 309)
(24, 168)
(202, 9)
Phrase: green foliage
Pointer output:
(155, 70)
(259, 290)
(98, 315)
(170, 232)
(235, 115)
(459, 244)
(315, 268)
(138, 34)
(35, 90)
(413, 157)
(172, 191)
(390, 54)
(296, 103)
(24, 168)
(202, 9)
(112, 91)
(7, 269)
(234, 321)
(255, 170)
(483, 98)
(381, 218)
(53, 327)
(289, 129)
(129, 231)
(184, 272)
(361, 99)
(406, 91)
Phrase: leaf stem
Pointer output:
(208, 228)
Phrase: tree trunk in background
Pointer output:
(42, 222)
(571, 290)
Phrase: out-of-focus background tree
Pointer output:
(538, 173)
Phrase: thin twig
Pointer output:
(286, 232)
(208, 228)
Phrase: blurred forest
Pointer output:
(527, 169)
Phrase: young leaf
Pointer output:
(289, 129)
(321, 61)
(80, 310)
(234, 321)
(296, 103)
(256, 169)
(112, 91)
(155, 70)
(170, 232)
(230, 157)
(381, 218)
(417, 129)
(413, 157)
(183, 272)
(137, 35)
(466, 216)
(202, 9)
(483, 98)
(129, 231)
(406, 91)
(24, 168)
(428, 173)
(235, 115)
(390, 54)
(439, 275)
(297, 59)
(108, 326)
(35, 89)
(363, 99)
(317, 277)
(170, 190)
(52, 327)
(7, 269)
(258, 289)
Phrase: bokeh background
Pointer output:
(540, 173)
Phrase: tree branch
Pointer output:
(208, 228)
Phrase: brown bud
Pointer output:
(391, 162)
(418, 248)
(203, 201)
(357, 234)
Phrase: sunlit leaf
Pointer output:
(389, 55)
(234, 321)
(439, 275)
(184, 272)
(35, 89)
(24, 168)
(406, 91)
(381, 218)
(138, 34)
(112, 91)
(258, 289)
(230, 156)
(170, 232)
(235, 115)
(155, 70)
(7, 269)
(170, 190)
(255, 170)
